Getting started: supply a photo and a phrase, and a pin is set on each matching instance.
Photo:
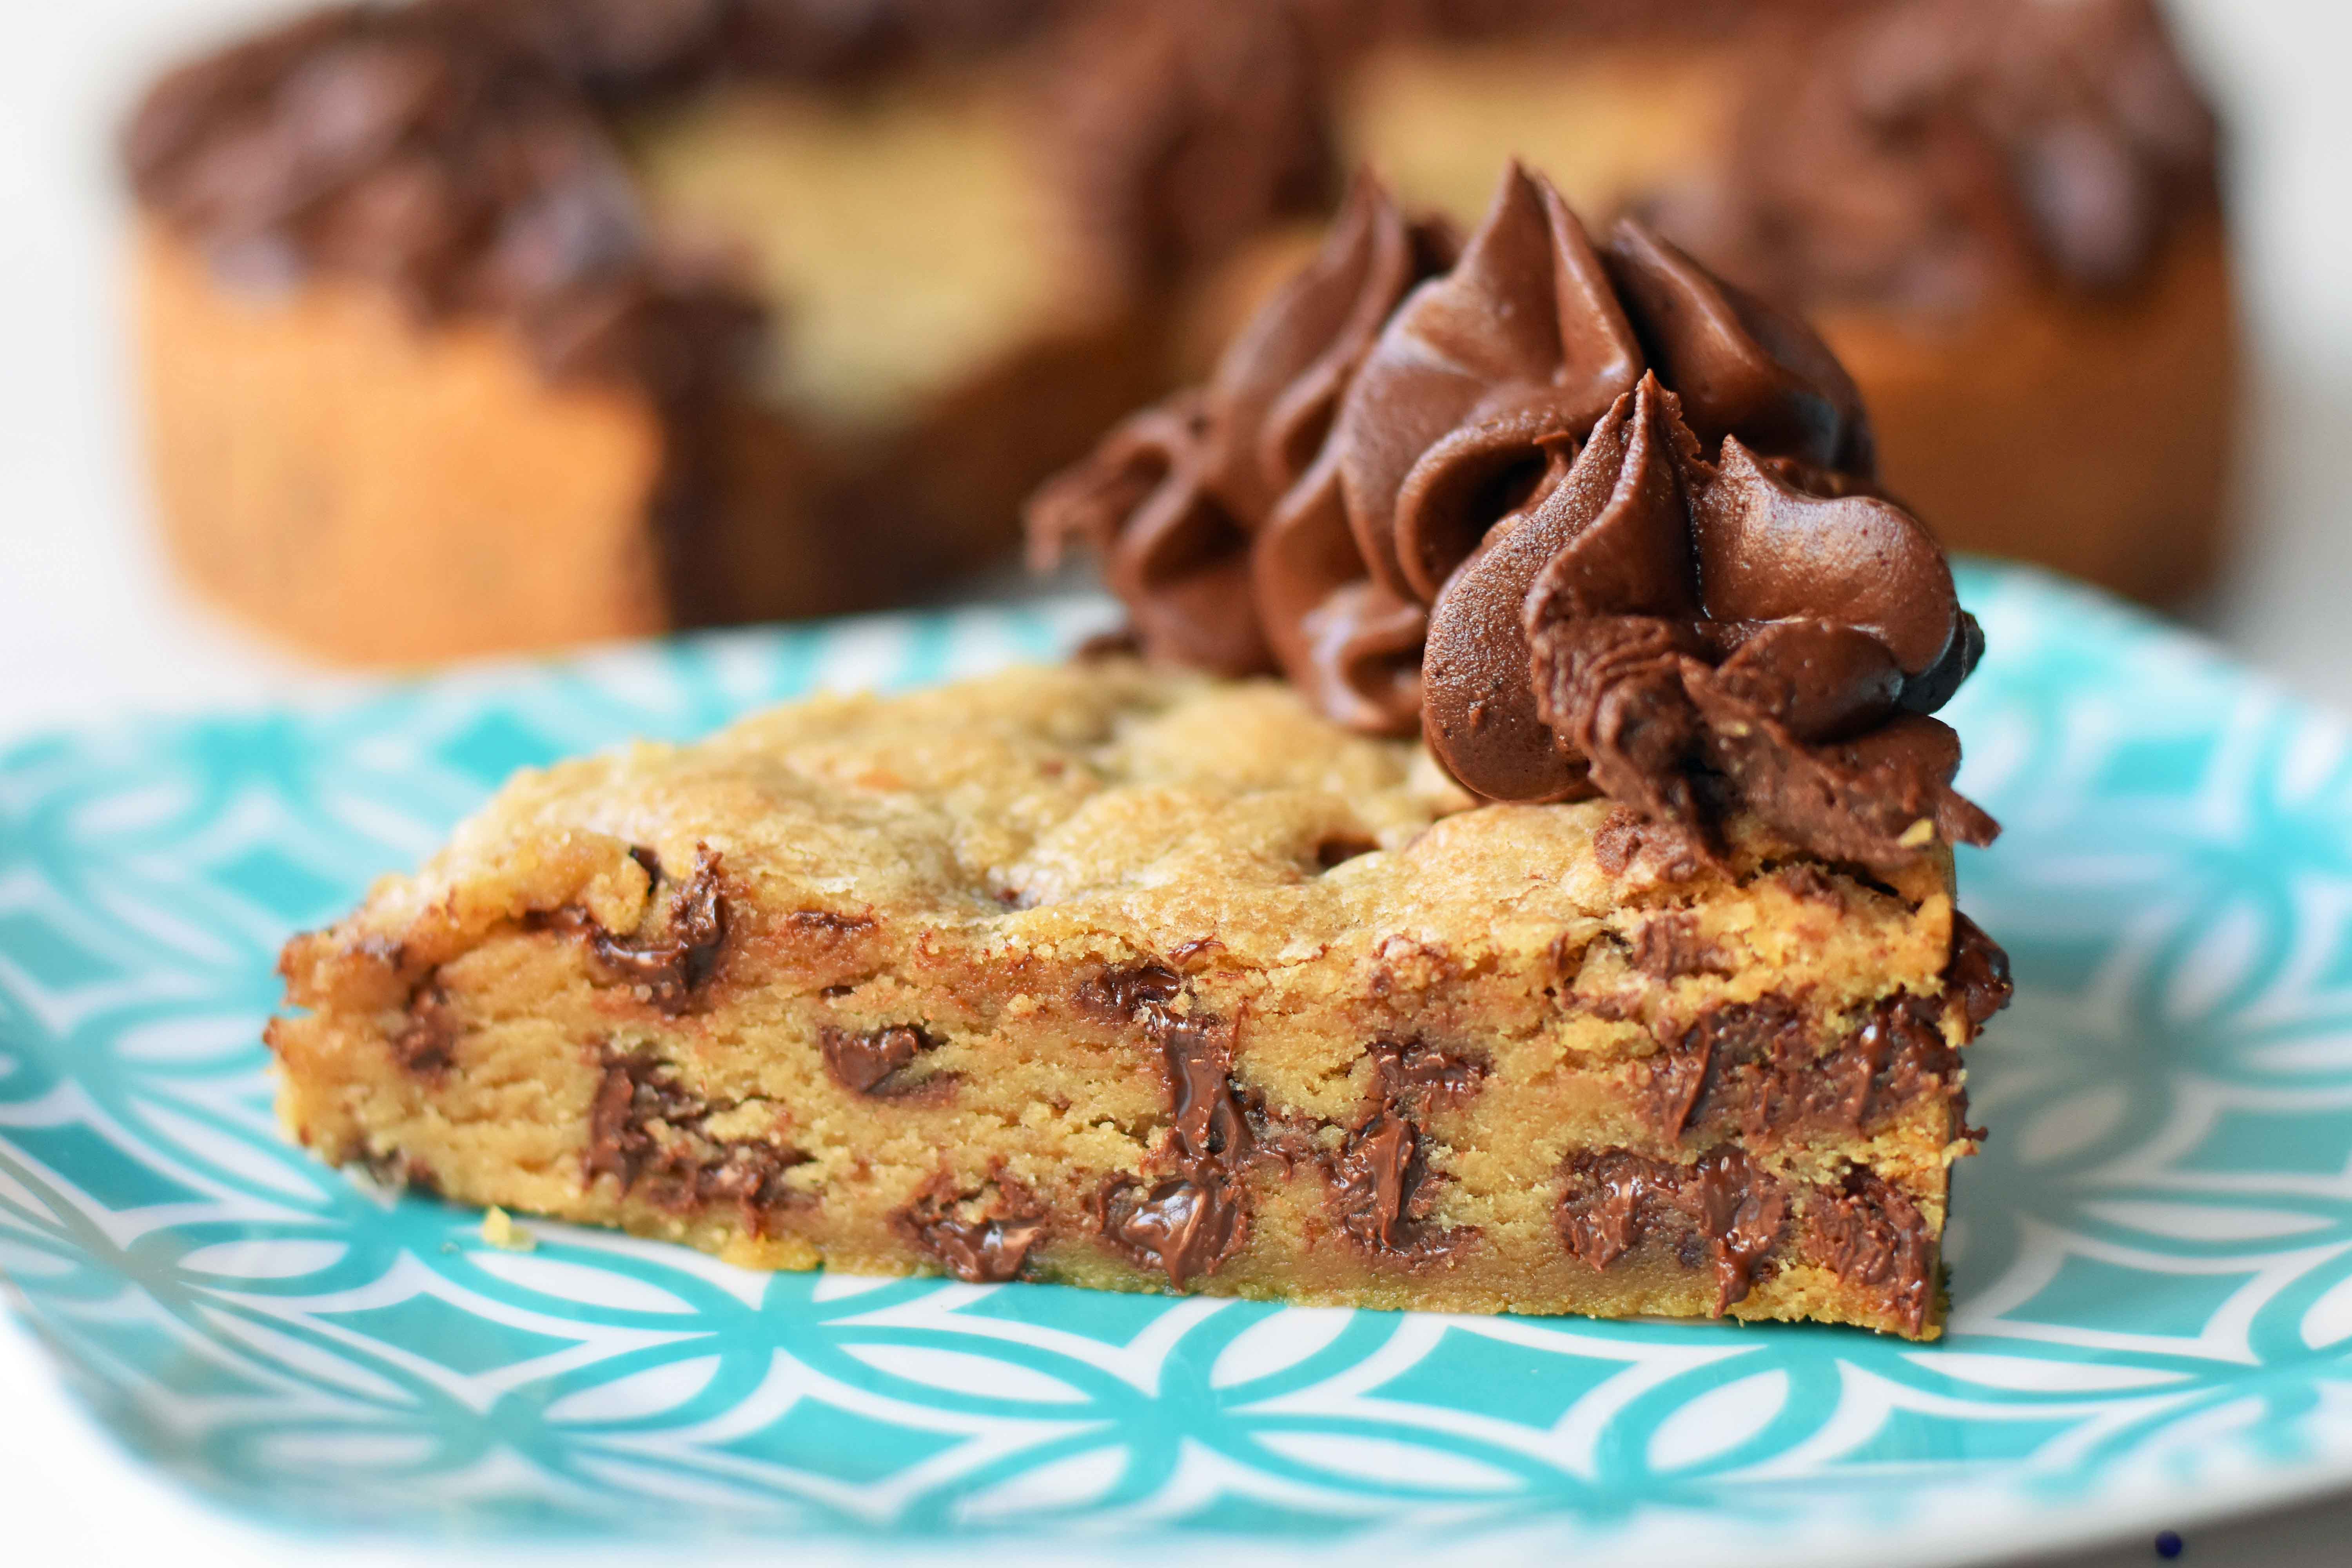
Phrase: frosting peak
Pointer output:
(1589, 519)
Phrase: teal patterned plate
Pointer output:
(2152, 1262)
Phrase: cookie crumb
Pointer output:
(500, 1231)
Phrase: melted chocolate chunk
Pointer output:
(1191, 1220)
(1129, 995)
(1600, 1215)
(644, 1131)
(1811, 884)
(1381, 1189)
(1742, 1212)
(671, 967)
(1184, 952)
(637, 1089)
(1867, 1230)
(1978, 971)
(1669, 946)
(981, 1238)
(1721, 1211)
(868, 1063)
(425, 1042)
(1427, 1077)
(1753, 1067)
(1185, 1225)
(1208, 1123)
(1379, 1184)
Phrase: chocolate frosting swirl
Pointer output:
(1925, 153)
(1513, 537)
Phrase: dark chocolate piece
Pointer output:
(1129, 995)
(1381, 1189)
(982, 1237)
(1669, 946)
(425, 1042)
(868, 1063)
(1427, 1077)
(637, 1087)
(396, 1170)
(1868, 1230)
(1722, 1211)
(644, 1131)
(1754, 1068)
(1189, 1220)
(1978, 973)
(671, 967)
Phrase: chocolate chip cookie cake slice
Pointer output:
(1145, 980)
(1574, 932)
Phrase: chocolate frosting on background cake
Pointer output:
(1926, 152)
(462, 152)
(1593, 521)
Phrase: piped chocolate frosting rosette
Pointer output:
(1592, 520)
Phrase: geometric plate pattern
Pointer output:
(2152, 1259)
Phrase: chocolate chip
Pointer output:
(1670, 946)
(1871, 1233)
(671, 967)
(1193, 1217)
(868, 1063)
(981, 1237)
(646, 1132)
(1381, 1191)
(1425, 1076)
(399, 1171)
(1128, 994)
(1182, 1225)
(1340, 850)
(426, 1041)
(1754, 1067)
(1978, 971)
(1809, 884)
(1723, 1210)
(1184, 952)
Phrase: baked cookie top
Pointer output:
(1138, 812)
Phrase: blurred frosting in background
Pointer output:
(479, 324)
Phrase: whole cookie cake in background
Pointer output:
(481, 324)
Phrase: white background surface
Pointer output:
(89, 624)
